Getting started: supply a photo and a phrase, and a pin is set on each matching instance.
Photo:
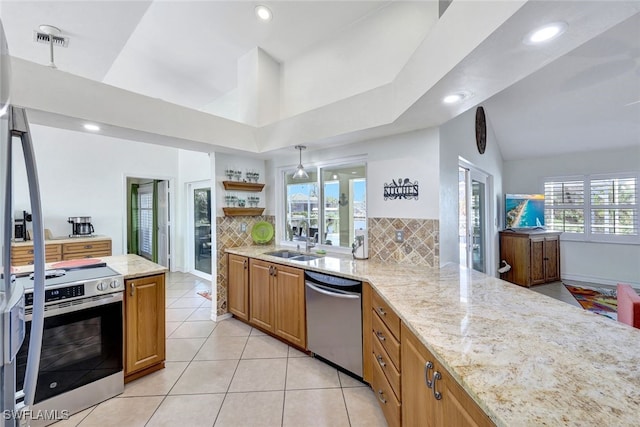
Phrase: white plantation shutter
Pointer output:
(145, 220)
(598, 207)
(564, 205)
(614, 206)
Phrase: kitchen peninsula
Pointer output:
(523, 358)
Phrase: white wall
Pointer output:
(367, 55)
(593, 262)
(457, 139)
(192, 166)
(226, 161)
(83, 174)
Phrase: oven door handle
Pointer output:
(331, 292)
(103, 300)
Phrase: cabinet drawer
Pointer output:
(28, 260)
(386, 398)
(382, 360)
(86, 247)
(92, 254)
(23, 255)
(383, 336)
(387, 315)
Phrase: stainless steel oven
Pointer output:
(81, 363)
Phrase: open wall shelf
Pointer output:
(242, 211)
(242, 186)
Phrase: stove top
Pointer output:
(75, 283)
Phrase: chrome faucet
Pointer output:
(309, 241)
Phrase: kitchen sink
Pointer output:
(284, 254)
(305, 257)
(293, 256)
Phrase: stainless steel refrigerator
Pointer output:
(14, 129)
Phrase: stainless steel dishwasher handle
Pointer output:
(331, 294)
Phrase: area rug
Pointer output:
(205, 294)
(599, 302)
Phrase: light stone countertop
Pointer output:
(525, 358)
(63, 239)
(133, 266)
(130, 266)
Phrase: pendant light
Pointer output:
(300, 173)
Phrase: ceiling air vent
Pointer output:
(40, 37)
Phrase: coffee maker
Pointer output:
(20, 226)
(80, 226)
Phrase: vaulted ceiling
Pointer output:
(207, 75)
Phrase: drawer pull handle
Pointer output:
(381, 311)
(380, 336)
(436, 377)
(133, 289)
(245, 264)
(270, 270)
(427, 367)
(381, 396)
(275, 271)
(30, 251)
(380, 360)
(88, 246)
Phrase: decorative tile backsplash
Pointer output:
(229, 235)
(420, 247)
(421, 244)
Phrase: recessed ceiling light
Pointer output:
(546, 33)
(263, 13)
(455, 97)
(91, 127)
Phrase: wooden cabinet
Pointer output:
(238, 286)
(381, 349)
(23, 255)
(534, 256)
(144, 325)
(276, 300)
(93, 249)
(440, 403)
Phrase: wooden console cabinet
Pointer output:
(66, 249)
(534, 256)
(144, 302)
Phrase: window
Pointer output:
(600, 208)
(328, 207)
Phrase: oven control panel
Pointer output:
(56, 294)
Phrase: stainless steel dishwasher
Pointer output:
(334, 320)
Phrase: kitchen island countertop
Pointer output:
(130, 266)
(525, 358)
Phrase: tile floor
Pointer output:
(228, 374)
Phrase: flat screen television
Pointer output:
(524, 210)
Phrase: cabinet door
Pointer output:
(260, 294)
(537, 262)
(551, 258)
(289, 304)
(419, 407)
(458, 409)
(144, 320)
(238, 286)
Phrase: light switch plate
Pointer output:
(243, 227)
(399, 236)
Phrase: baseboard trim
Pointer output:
(217, 318)
(598, 280)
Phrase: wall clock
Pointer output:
(481, 130)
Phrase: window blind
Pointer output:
(564, 205)
(614, 207)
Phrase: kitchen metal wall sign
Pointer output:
(401, 189)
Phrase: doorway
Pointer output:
(149, 219)
(201, 253)
(473, 193)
